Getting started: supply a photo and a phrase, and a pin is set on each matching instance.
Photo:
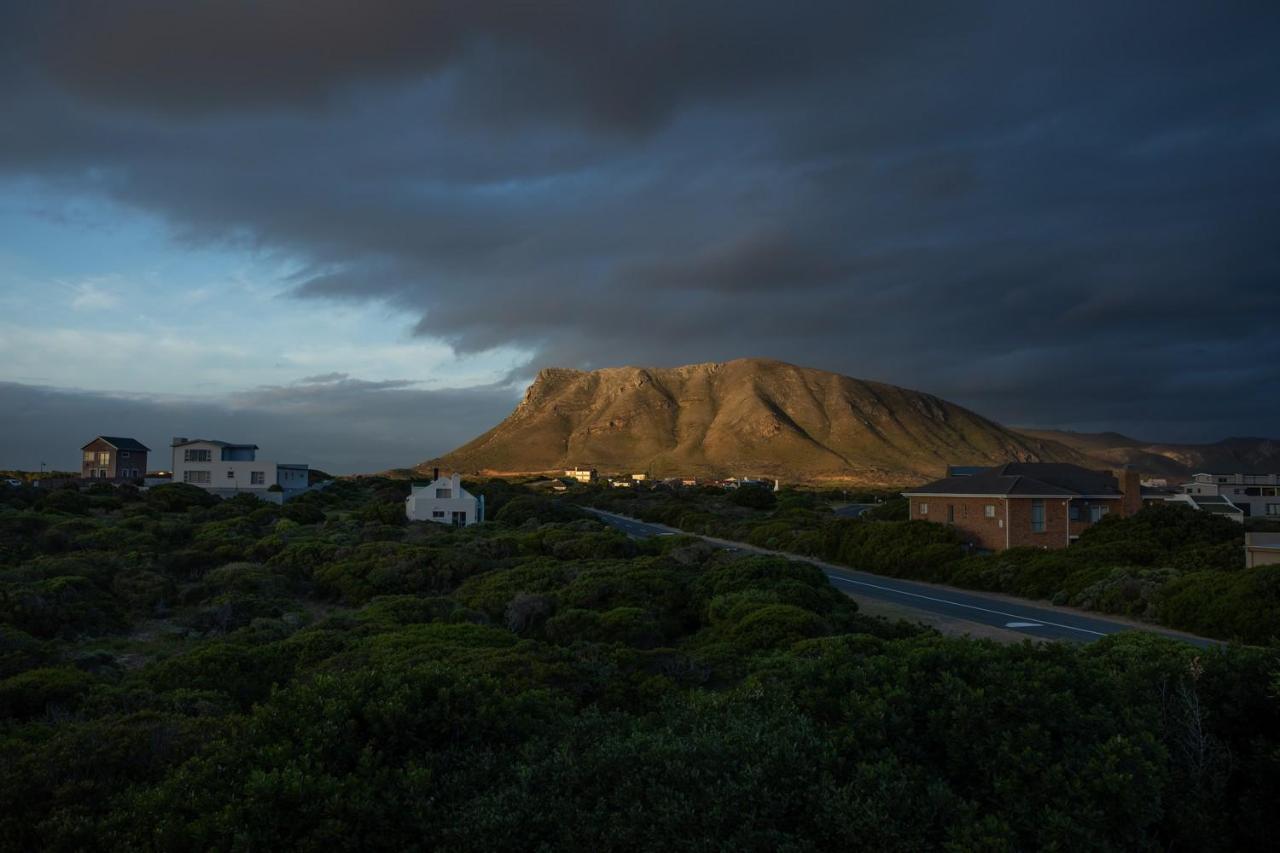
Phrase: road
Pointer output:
(852, 510)
(1037, 621)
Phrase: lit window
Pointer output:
(990, 511)
(1037, 516)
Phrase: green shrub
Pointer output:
(40, 690)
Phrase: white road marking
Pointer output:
(1019, 620)
(958, 604)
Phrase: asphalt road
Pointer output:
(852, 510)
(1038, 621)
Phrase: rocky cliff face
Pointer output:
(750, 417)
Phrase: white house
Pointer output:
(444, 501)
(1254, 494)
(226, 468)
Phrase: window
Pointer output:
(1269, 493)
(104, 457)
(88, 456)
(437, 513)
(924, 509)
(257, 478)
(951, 513)
(964, 510)
(124, 454)
(1222, 479)
(197, 455)
(1273, 509)
(1073, 512)
(1097, 512)
(444, 493)
(1037, 516)
(231, 474)
(197, 477)
(990, 511)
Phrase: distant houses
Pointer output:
(444, 501)
(1026, 504)
(226, 468)
(113, 458)
(1238, 495)
(582, 475)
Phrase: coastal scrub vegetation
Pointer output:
(182, 672)
(1168, 564)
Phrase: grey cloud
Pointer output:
(1059, 214)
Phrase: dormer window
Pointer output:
(444, 493)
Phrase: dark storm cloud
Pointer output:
(335, 423)
(1061, 214)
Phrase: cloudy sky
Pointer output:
(351, 232)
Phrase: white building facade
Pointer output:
(227, 468)
(1254, 494)
(444, 501)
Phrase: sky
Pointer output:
(351, 233)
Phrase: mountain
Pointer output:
(750, 417)
(1173, 461)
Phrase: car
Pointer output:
(10, 481)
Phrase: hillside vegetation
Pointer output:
(179, 672)
(750, 417)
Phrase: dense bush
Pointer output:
(183, 674)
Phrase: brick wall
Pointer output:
(970, 517)
(1056, 522)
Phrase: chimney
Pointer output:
(435, 474)
(1130, 482)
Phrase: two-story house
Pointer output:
(1250, 494)
(1026, 504)
(227, 468)
(444, 501)
(111, 457)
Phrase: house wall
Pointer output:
(970, 518)
(235, 475)
(291, 478)
(1011, 523)
(1056, 524)
(422, 503)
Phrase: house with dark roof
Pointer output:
(1026, 504)
(112, 457)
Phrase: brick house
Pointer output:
(1026, 504)
(110, 457)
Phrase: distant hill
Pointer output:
(1176, 461)
(750, 417)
